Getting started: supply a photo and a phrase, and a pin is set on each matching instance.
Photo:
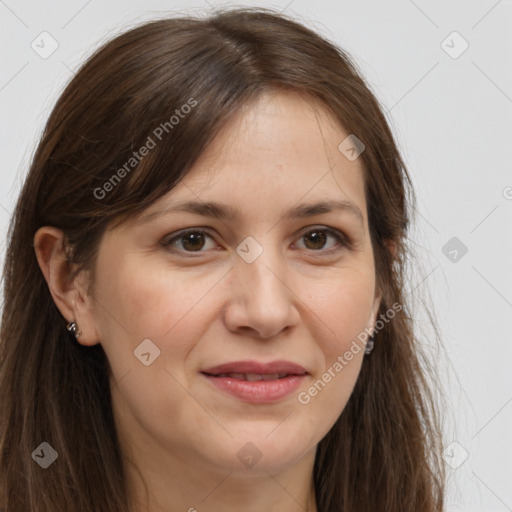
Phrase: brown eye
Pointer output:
(191, 241)
(317, 238)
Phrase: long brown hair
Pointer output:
(383, 452)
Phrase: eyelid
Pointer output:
(339, 235)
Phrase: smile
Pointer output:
(253, 377)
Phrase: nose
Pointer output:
(262, 304)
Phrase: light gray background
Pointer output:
(453, 121)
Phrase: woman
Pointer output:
(203, 302)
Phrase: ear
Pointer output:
(68, 293)
(375, 309)
(392, 247)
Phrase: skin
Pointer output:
(295, 302)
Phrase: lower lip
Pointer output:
(260, 391)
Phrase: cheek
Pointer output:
(169, 308)
(148, 300)
(344, 307)
(138, 302)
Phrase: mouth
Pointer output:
(256, 382)
(251, 377)
(276, 369)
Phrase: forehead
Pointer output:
(276, 159)
(282, 145)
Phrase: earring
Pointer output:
(369, 345)
(72, 328)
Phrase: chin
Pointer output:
(268, 450)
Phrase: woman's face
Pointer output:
(270, 282)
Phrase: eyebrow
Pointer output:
(223, 212)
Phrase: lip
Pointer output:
(257, 367)
(261, 391)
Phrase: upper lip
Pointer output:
(256, 367)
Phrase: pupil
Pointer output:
(318, 238)
(194, 238)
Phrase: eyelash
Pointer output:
(340, 238)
